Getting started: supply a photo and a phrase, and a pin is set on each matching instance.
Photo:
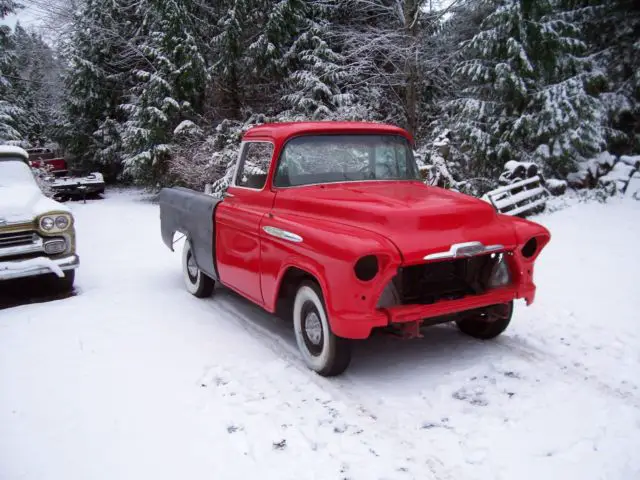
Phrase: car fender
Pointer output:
(321, 254)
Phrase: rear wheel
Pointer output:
(197, 283)
(488, 323)
(323, 351)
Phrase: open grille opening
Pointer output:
(18, 239)
(446, 280)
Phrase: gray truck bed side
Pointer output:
(191, 213)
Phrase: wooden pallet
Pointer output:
(520, 198)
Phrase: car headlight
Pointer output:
(62, 222)
(47, 223)
(500, 274)
(54, 222)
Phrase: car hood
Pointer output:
(420, 220)
(22, 203)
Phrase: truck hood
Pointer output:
(420, 220)
(24, 202)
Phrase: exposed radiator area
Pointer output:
(444, 280)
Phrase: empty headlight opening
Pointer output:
(530, 248)
(366, 268)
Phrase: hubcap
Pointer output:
(192, 268)
(313, 328)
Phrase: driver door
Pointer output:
(247, 200)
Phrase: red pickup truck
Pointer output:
(329, 224)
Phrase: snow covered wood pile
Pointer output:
(522, 191)
(606, 171)
(633, 188)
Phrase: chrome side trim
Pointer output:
(466, 249)
(283, 234)
(6, 223)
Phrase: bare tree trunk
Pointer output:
(411, 69)
(236, 102)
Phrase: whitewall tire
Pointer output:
(197, 283)
(321, 350)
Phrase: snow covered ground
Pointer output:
(133, 378)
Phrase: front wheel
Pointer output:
(323, 351)
(487, 323)
(197, 283)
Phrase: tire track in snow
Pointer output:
(537, 356)
(290, 355)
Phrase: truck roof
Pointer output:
(11, 152)
(285, 130)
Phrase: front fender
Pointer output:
(328, 251)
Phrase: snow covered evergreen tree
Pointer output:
(612, 29)
(168, 87)
(315, 86)
(9, 110)
(39, 87)
(529, 89)
(99, 55)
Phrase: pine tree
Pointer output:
(168, 87)
(10, 112)
(39, 87)
(612, 28)
(528, 94)
(314, 88)
(100, 56)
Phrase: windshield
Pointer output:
(15, 172)
(313, 159)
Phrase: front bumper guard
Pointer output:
(38, 266)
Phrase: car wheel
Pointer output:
(489, 323)
(197, 283)
(323, 351)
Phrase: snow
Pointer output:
(6, 150)
(633, 160)
(91, 179)
(21, 199)
(554, 183)
(605, 159)
(135, 378)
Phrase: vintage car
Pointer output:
(328, 223)
(37, 234)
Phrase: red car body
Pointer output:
(263, 237)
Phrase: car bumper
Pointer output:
(359, 326)
(38, 266)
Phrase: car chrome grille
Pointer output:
(17, 239)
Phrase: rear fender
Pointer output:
(191, 213)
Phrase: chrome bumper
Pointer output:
(38, 266)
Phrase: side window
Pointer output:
(254, 165)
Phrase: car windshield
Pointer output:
(313, 159)
(15, 172)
